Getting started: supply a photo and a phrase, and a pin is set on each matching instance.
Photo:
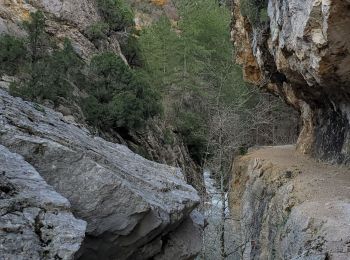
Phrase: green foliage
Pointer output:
(116, 13)
(12, 54)
(160, 50)
(190, 64)
(132, 51)
(190, 126)
(127, 110)
(52, 76)
(168, 137)
(38, 41)
(255, 10)
(243, 150)
(97, 31)
(119, 97)
(50, 71)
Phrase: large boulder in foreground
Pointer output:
(35, 221)
(127, 201)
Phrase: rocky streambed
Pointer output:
(214, 218)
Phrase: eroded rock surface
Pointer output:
(71, 19)
(303, 55)
(65, 19)
(35, 221)
(290, 207)
(127, 201)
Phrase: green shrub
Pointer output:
(38, 40)
(168, 137)
(12, 54)
(116, 13)
(127, 110)
(97, 31)
(189, 125)
(119, 97)
(132, 51)
(95, 112)
(51, 77)
(255, 10)
(50, 71)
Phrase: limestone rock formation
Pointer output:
(65, 19)
(302, 54)
(130, 204)
(70, 19)
(35, 221)
(155, 141)
(290, 207)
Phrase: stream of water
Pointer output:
(213, 207)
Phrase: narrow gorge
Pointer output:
(175, 130)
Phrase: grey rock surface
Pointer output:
(180, 243)
(35, 221)
(65, 19)
(290, 207)
(302, 54)
(127, 201)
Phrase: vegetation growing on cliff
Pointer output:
(183, 68)
(12, 53)
(116, 13)
(255, 10)
(118, 97)
(191, 63)
(48, 72)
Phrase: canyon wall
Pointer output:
(72, 19)
(287, 206)
(302, 54)
(134, 208)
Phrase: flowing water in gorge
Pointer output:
(212, 211)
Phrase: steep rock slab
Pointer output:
(303, 55)
(290, 207)
(35, 221)
(126, 200)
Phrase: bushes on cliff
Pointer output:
(12, 54)
(116, 13)
(52, 77)
(190, 126)
(48, 71)
(255, 10)
(119, 97)
(97, 31)
(38, 41)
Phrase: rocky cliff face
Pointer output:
(302, 54)
(70, 19)
(286, 206)
(133, 207)
(36, 222)
(159, 143)
(66, 19)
